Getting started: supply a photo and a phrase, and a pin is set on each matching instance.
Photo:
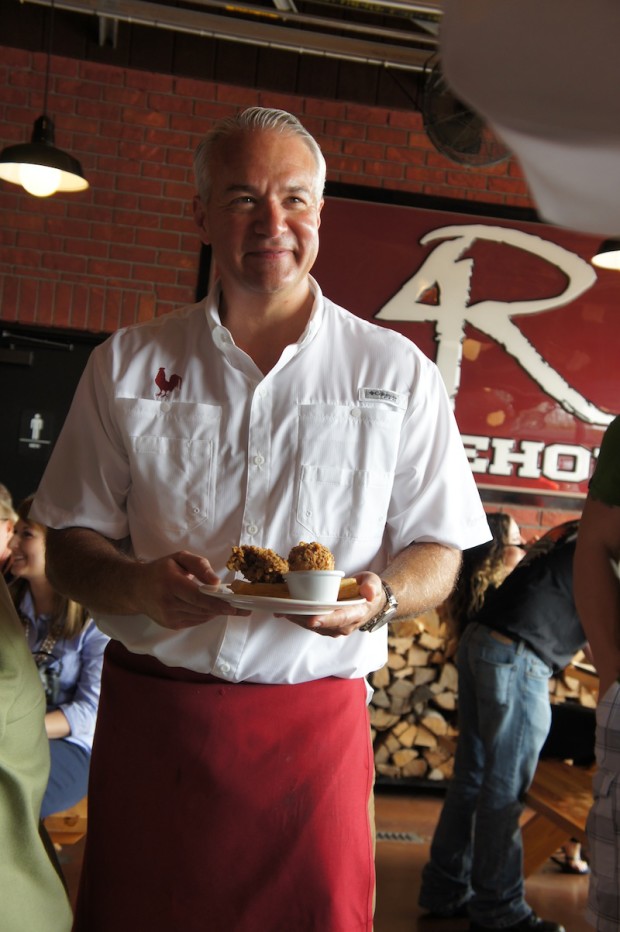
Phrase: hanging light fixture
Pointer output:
(607, 255)
(38, 166)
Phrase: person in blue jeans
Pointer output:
(526, 630)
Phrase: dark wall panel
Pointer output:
(39, 372)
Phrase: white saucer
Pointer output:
(284, 606)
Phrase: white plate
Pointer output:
(284, 606)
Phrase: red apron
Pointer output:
(220, 807)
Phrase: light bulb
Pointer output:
(39, 180)
(608, 260)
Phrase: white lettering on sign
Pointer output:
(445, 268)
(525, 458)
(529, 459)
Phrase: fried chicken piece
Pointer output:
(258, 564)
(312, 556)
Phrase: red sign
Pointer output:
(523, 328)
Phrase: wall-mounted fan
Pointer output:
(456, 131)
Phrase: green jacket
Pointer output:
(32, 896)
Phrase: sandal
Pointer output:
(571, 865)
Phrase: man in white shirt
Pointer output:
(232, 745)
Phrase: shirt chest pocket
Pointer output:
(172, 449)
(347, 461)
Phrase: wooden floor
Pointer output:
(553, 895)
(405, 824)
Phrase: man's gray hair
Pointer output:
(251, 120)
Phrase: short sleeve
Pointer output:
(605, 483)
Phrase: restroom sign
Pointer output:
(35, 432)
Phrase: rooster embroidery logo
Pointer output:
(165, 385)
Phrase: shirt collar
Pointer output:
(26, 607)
(27, 610)
(316, 314)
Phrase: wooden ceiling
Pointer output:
(362, 51)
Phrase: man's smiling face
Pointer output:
(263, 214)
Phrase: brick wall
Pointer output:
(126, 249)
(536, 520)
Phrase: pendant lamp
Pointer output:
(38, 166)
(608, 255)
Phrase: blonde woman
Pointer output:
(8, 517)
(484, 568)
(525, 631)
(68, 650)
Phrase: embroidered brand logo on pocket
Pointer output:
(385, 395)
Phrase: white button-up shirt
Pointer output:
(349, 440)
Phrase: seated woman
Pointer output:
(68, 650)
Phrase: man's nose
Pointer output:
(271, 218)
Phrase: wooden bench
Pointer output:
(69, 826)
(560, 797)
(586, 674)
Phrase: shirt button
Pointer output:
(165, 406)
(355, 412)
(252, 529)
(223, 668)
(259, 460)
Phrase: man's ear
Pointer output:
(200, 218)
(318, 213)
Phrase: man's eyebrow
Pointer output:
(235, 188)
(238, 188)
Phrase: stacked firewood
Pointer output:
(413, 709)
(413, 712)
(568, 687)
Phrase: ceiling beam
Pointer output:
(386, 54)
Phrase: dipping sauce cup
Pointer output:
(314, 585)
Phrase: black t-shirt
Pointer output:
(535, 602)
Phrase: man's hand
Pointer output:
(95, 572)
(167, 590)
(421, 576)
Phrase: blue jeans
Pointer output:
(504, 717)
(68, 779)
